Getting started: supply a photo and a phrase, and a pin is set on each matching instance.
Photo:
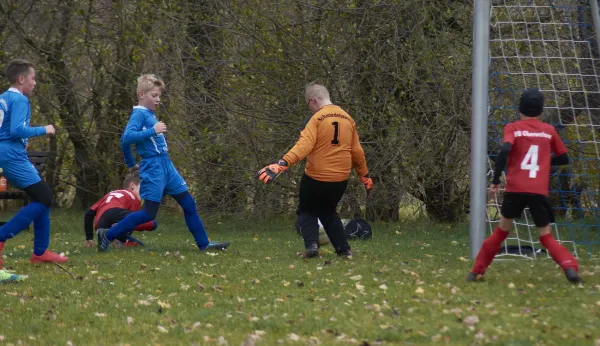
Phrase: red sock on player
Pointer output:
(559, 253)
(488, 250)
(148, 226)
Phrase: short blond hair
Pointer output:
(316, 91)
(147, 82)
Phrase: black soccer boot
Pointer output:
(474, 277)
(572, 276)
(312, 250)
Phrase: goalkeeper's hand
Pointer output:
(367, 182)
(272, 171)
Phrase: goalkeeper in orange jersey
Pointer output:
(331, 146)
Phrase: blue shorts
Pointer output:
(159, 178)
(16, 167)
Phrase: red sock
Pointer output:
(148, 226)
(488, 250)
(559, 253)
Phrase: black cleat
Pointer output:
(346, 253)
(215, 245)
(103, 242)
(573, 276)
(312, 250)
(474, 277)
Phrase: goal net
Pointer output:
(550, 45)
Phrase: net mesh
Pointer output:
(550, 45)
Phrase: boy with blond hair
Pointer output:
(157, 172)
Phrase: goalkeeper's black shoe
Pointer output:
(312, 251)
(345, 253)
(215, 245)
(474, 277)
(572, 276)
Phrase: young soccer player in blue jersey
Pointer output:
(159, 176)
(15, 116)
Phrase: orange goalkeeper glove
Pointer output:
(367, 182)
(272, 171)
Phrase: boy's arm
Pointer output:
(359, 162)
(305, 144)
(509, 140)
(134, 132)
(501, 162)
(128, 154)
(18, 129)
(88, 224)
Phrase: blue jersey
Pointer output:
(140, 131)
(14, 118)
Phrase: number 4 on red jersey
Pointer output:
(533, 143)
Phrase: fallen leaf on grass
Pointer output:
(162, 329)
(209, 305)
(100, 314)
(293, 337)
(356, 277)
(511, 285)
(420, 290)
(222, 340)
(164, 305)
(383, 287)
(218, 288)
(471, 320)
(129, 320)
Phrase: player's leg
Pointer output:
(125, 226)
(177, 188)
(115, 215)
(307, 219)
(331, 220)
(21, 173)
(151, 191)
(40, 192)
(512, 207)
(542, 214)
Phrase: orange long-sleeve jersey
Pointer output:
(331, 146)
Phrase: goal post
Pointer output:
(479, 121)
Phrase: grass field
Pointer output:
(405, 286)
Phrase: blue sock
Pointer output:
(130, 222)
(22, 220)
(186, 201)
(41, 231)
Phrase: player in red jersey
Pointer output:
(528, 145)
(113, 208)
